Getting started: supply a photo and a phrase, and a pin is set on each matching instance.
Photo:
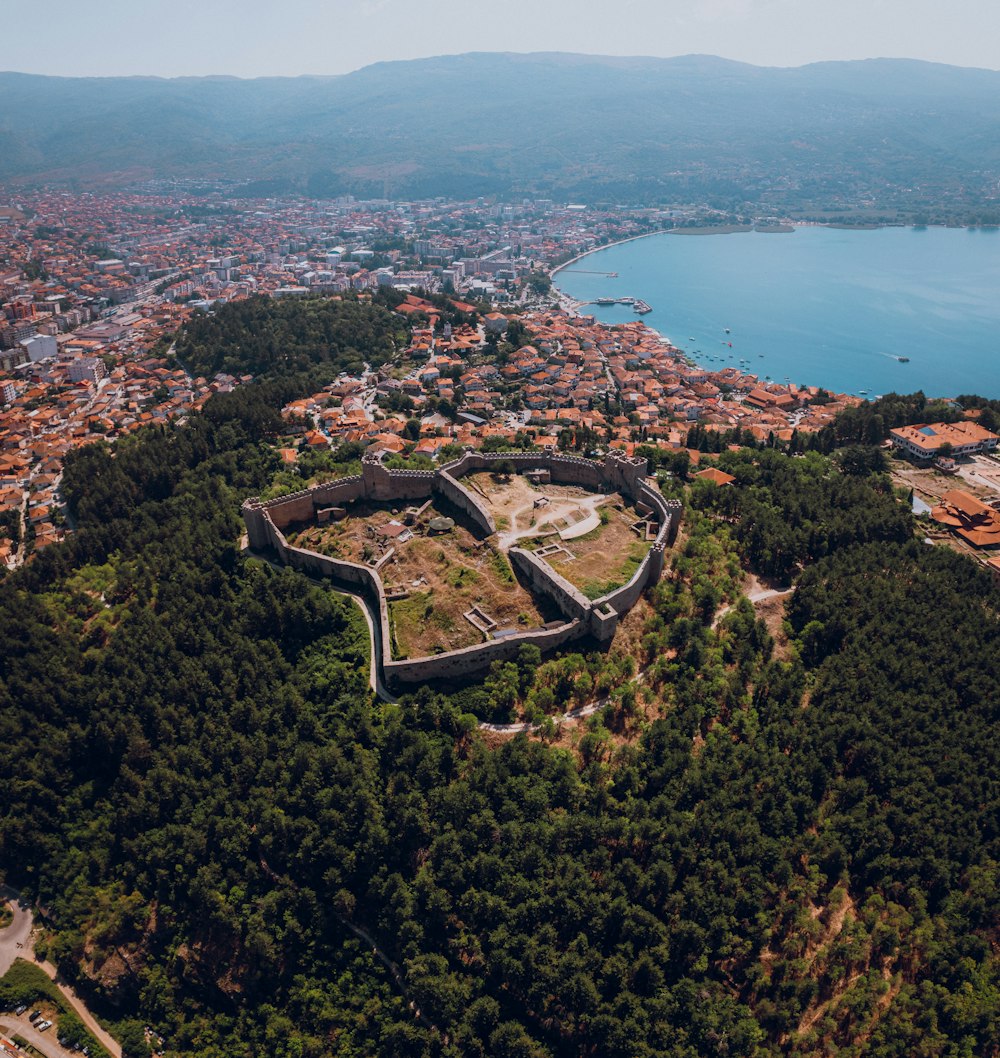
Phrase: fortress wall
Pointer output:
(568, 470)
(654, 498)
(603, 623)
(354, 575)
(256, 520)
(338, 493)
(301, 506)
(410, 484)
(462, 498)
(572, 603)
(296, 508)
(380, 483)
(565, 469)
(624, 598)
(264, 522)
(626, 474)
(457, 664)
(650, 569)
(676, 509)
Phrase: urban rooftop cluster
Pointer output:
(93, 286)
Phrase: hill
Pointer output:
(891, 132)
(774, 842)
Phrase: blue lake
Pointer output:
(823, 306)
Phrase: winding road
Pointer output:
(16, 942)
(759, 594)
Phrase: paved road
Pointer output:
(15, 940)
(19, 933)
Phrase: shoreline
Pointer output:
(606, 246)
(865, 373)
(571, 306)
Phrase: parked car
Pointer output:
(43, 1025)
(34, 1017)
(21, 1009)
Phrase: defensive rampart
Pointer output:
(581, 616)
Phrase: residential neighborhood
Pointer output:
(95, 286)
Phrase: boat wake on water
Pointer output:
(896, 357)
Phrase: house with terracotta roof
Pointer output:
(969, 518)
(716, 476)
(925, 440)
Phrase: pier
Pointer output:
(591, 272)
(638, 304)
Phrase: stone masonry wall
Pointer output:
(456, 493)
(264, 522)
(457, 664)
(572, 603)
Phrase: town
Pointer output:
(93, 286)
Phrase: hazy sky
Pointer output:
(250, 38)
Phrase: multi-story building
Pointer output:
(925, 440)
(39, 347)
(87, 369)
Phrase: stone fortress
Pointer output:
(580, 616)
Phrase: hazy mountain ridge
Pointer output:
(597, 126)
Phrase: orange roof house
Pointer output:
(970, 518)
(924, 440)
(716, 476)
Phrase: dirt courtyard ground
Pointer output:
(606, 557)
(433, 580)
(512, 502)
(443, 576)
(446, 577)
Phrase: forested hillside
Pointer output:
(772, 844)
(289, 338)
(892, 133)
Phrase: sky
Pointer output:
(254, 38)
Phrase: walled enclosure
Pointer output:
(581, 616)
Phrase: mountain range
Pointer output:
(882, 132)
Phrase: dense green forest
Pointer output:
(775, 840)
(289, 336)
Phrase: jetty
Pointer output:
(637, 304)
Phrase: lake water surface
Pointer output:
(823, 306)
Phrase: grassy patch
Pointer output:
(25, 983)
(460, 576)
(595, 589)
(501, 567)
(409, 614)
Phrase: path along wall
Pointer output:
(599, 618)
